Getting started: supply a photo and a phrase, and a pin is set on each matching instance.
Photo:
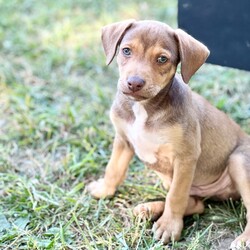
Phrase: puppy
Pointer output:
(195, 149)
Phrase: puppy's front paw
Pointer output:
(167, 229)
(99, 189)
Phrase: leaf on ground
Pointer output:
(21, 222)
(52, 231)
(4, 224)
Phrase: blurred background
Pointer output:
(55, 133)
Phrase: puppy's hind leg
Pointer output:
(239, 169)
(149, 210)
(153, 210)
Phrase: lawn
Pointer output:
(55, 133)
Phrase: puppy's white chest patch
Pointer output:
(143, 141)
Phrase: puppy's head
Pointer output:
(148, 55)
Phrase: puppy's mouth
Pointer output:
(134, 96)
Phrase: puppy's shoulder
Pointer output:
(180, 93)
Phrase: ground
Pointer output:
(55, 134)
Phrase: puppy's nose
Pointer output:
(135, 83)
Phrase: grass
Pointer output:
(55, 134)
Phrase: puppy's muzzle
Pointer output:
(135, 83)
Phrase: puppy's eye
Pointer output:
(126, 51)
(162, 59)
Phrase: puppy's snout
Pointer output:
(135, 83)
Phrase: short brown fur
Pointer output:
(195, 149)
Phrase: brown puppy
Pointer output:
(195, 149)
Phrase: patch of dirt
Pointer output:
(224, 243)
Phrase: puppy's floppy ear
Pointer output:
(111, 37)
(192, 54)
